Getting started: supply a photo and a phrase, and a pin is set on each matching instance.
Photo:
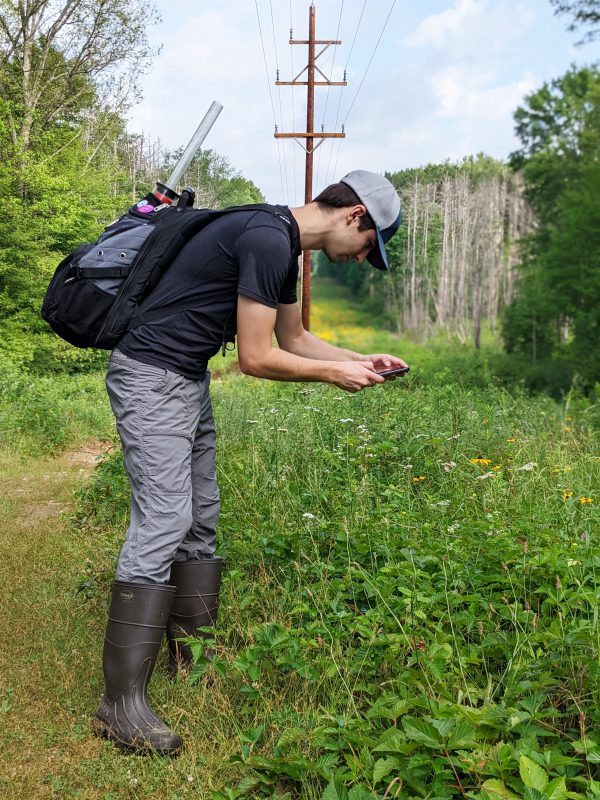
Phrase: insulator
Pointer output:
(291, 34)
(277, 73)
(343, 128)
(322, 128)
(276, 129)
(344, 76)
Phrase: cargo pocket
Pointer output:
(167, 459)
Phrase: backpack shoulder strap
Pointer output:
(204, 218)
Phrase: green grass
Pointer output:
(392, 609)
(42, 415)
(443, 358)
(409, 607)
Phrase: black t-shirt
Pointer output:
(250, 252)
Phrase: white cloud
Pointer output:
(196, 67)
(447, 90)
(435, 28)
(461, 92)
(474, 29)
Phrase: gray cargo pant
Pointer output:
(166, 427)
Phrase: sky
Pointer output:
(428, 81)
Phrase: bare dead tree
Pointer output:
(460, 252)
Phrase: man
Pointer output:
(237, 275)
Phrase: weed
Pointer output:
(378, 636)
(45, 414)
(6, 701)
(429, 638)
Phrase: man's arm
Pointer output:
(292, 337)
(257, 356)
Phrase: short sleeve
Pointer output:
(288, 292)
(264, 260)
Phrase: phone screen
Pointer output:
(390, 373)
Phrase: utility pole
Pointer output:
(310, 136)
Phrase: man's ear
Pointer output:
(355, 213)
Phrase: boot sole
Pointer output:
(140, 748)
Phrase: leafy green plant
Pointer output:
(409, 608)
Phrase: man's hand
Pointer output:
(257, 356)
(383, 361)
(355, 375)
(292, 338)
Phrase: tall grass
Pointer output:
(409, 607)
(44, 414)
(411, 596)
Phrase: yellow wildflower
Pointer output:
(584, 500)
(567, 428)
(567, 495)
(418, 478)
(481, 461)
(512, 439)
(497, 467)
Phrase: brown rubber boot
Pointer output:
(194, 606)
(136, 624)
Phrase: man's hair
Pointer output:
(340, 195)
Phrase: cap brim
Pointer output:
(377, 257)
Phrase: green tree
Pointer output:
(571, 263)
(66, 203)
(555, 312)
(550, 125)
(583, 13)
(68, 69)
(59, 56)
(215, 180)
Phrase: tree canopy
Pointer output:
(583, 13)
(69, 70)
(556, 309)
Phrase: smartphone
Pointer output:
(391, 373)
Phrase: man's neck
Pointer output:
(313, 225)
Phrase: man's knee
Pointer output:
(170, 512)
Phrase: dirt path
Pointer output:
(34, 486)
(42, 615)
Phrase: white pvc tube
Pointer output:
(194, 144)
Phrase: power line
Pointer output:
(371, 59)
(356, 32)
(287, 185)
(337, 36)
(368, 65)
(337, 116)
(262, 44)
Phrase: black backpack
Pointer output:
(95, 295)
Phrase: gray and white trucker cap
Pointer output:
(381, 200)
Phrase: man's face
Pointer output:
(345, 242)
